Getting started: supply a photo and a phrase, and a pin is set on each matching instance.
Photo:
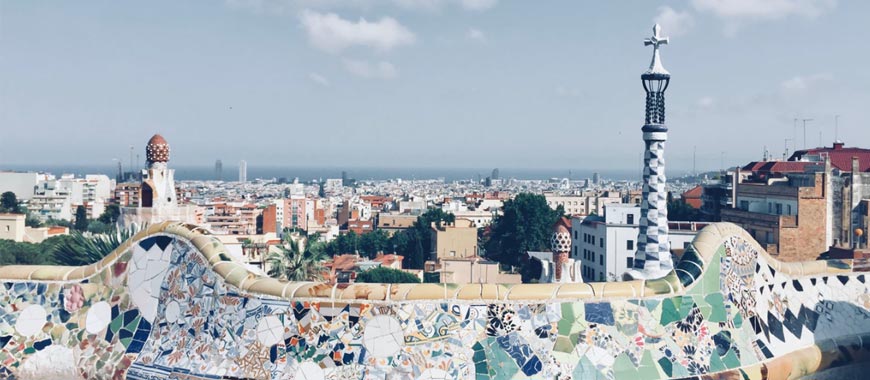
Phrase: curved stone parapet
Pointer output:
(170, 303)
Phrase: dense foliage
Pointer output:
(83, 248)
(412, 243)
(384, 275)
(526, 225)
(293, 264)
(9, 203)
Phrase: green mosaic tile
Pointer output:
(669, 310)
(586, 370)
(116, 324)
(705, 308)
(738, 320)
(686, 307)
(623, 368)
(717, 302)
(731, 360)
(716, 363)
(648, 370)
(572, 312)
(666, 366)
(679, 371)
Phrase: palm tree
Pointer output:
(292, 264)
(86, 248)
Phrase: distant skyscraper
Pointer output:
(344, 178)
(219, 170)
(653, 258)
(494, 174)
(243, 171)
(596, 179)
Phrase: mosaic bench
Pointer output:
(171, 304)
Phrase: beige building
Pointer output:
(454, 241)
(472, 270)
(12, 227)
(583, 204)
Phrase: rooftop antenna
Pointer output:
(131, 159)
(794, 135)
(805, 131)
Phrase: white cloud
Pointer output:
(800, 84)
(764, 9)
(365, 69)
(319, 79)
(331, 33)
(476, 35)
(674, 23)
(478, 5)
(705, 102)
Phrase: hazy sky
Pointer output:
(425, 83)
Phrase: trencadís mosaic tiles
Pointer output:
(165, 307)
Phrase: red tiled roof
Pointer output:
(778, 166)
(694, 192)
(841, 157)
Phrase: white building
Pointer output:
(606, 245)
(243, 171)
(582, 204)
(22, 184)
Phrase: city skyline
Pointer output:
(312, 84)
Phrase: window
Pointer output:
(593, 240)
(629, 262)
(788, 209)
(601, 276)
(744, 205)
(575, 251)
(602, 243)
(779, 209)
(629, 244)
(770, 208)
(601, 259)
(629, 219)
(575, 234)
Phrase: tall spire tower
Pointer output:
(653, 257)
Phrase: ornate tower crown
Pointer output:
(157, 150)
(655, 82)
(655, 66)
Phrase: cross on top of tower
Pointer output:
(655, 66)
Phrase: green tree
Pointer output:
(384, 275)
(680, 211)
(371, 243)
(292, 264)
(15, 253)
(98, 227)
(526, 225)
(110, 214)
(81, 222)
(81, 249)
(9, 203)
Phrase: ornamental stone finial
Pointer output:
(655, 66)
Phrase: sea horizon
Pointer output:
(230, 173)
